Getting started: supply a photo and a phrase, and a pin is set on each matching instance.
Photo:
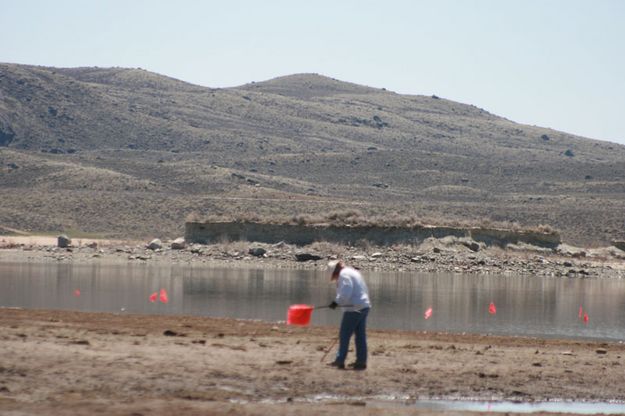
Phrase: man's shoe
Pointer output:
(358, 366)
(338, 365)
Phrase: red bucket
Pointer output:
(299, 314)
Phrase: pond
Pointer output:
(527, 306)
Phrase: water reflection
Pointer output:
(579, 408)
(525, 305)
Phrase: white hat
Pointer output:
(332, 265)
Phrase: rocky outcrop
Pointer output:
(178, 244)
(257, 251)
(6, 134)
(63, 241)
(199, 232)
(155, 244)
(307, 257)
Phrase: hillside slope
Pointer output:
(126, 152)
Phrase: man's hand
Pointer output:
(333, 305)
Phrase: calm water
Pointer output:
(525, 306)
(580, 408)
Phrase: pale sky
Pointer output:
(550, 63)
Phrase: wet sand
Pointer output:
(76, 363)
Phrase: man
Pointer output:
(352, 294)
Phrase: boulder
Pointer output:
(474, 246)
(6, 134)
(257, 251)
(307, 257)
(155, 244)
(567, 250)
(471, 245)
(620, 244)
(196, 249)
(178, 244)
(63, 241)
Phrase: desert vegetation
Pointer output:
(131, 154)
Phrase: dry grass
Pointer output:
(99, 151)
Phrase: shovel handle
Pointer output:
(329, 349)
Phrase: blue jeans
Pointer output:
(353, 323)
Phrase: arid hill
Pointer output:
(129, 153)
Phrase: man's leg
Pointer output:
(348, 325)
(361, 337)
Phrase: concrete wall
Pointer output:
(204, 233)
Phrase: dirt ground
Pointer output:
(76, 363)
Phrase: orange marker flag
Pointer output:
(77, 293)
(586, 318)
(163, 296)
(492, 309)
(581, 312)
(428, 313)
(153, 297)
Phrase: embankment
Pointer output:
(205, 233)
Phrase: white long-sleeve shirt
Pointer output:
(351, 289)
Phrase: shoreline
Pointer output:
(80, 363)
(444, 255)
(75, 363)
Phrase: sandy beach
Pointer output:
(72, 363)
